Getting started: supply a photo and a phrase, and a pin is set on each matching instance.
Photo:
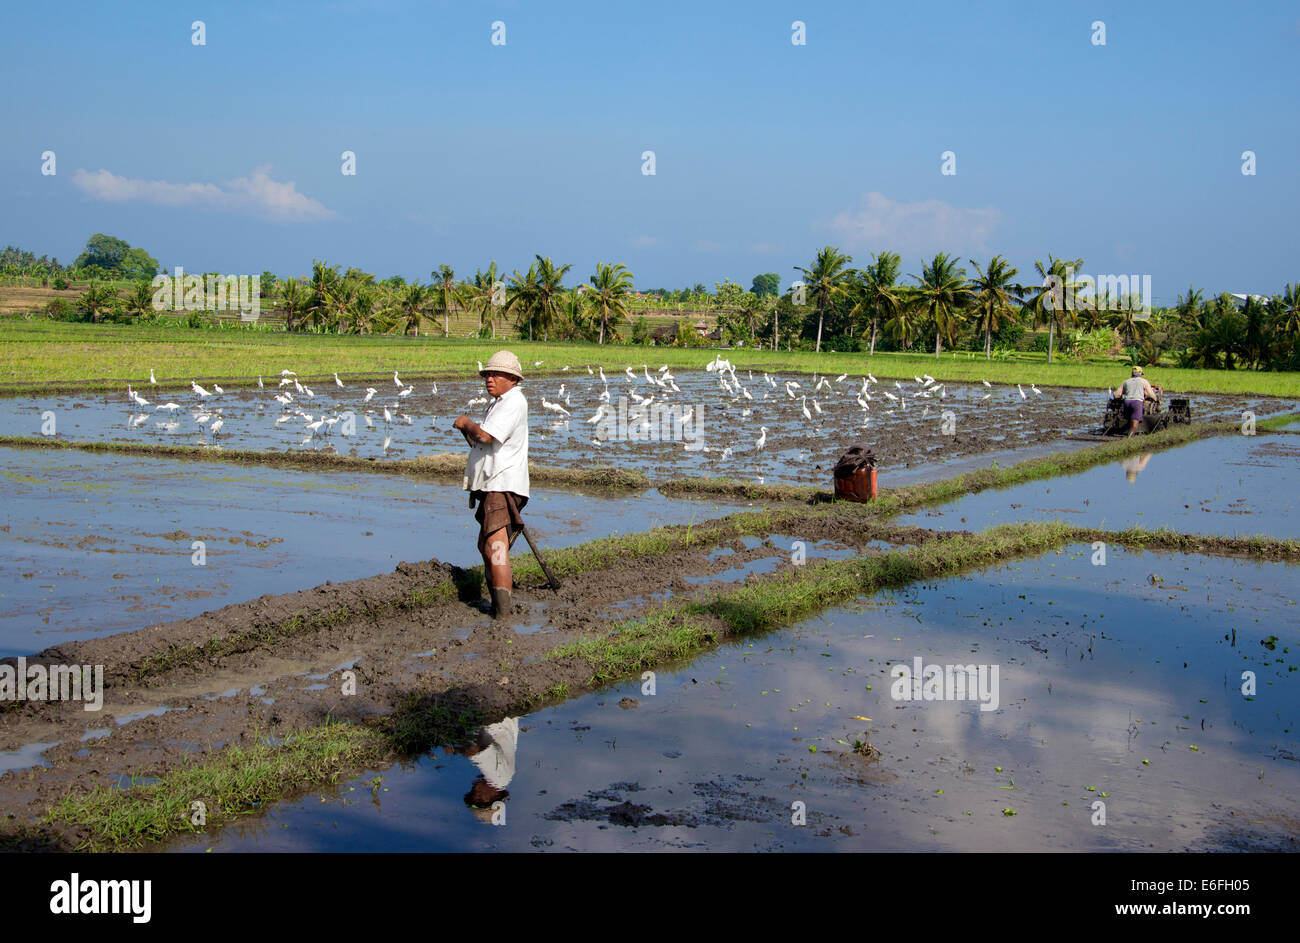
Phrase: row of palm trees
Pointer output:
(945, 301)
(535, 301)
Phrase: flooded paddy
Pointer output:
(714, 431)
(93, 544)
(1118, 684)
(1228, 486)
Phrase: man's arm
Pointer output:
(472, 431)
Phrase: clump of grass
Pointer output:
(230, 783)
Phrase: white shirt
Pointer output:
(496, 761)
(503, 464)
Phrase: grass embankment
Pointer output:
(239, 780)
(46, 356)
(448, 465)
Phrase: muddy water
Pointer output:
(720, 438)
(1107, 681)
(100, 543)
(1230, 486)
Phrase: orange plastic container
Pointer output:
(860, 486)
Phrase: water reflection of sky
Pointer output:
(1100, 668)
(1227, 486)
(102, 543)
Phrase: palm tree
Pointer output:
(295, 299)
(877, 292)
(1045, 307)
(994, 294)
(482, 293)
(943, 295)
(1189, 308)
(411, 302)
(97, 299)
(140, 303)
(521, 297)
(325, 285)
(550, 289)
(612, 284)
(827, 282)
(1286, 313)
(446, 294)
(905, 321)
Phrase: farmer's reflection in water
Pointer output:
(493, 752)
(1134, 464)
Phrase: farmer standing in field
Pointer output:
(496, 473)
(1134, 391)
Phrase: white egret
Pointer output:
(259, 383)
(168, 407)
(762, 439)
(216, 427)
(218, 390)
(1022, 391)
(407, 392)
(399, 384)
(873, 379)
(538, 363)
(337, 381)
(203, 394)
(1036, 389)
(151, 379)
(370, 394)
(987, 383)
(388, 440)
(287, 373)
(806, 415)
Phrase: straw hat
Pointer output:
(1137, 371)
(503, 362)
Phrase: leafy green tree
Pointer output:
(767, 285)
(640, 331)
(106, 252)
(137, 263)
(480, 293)
(827, 282)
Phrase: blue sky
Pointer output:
(227, 156)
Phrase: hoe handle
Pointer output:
(555, 584)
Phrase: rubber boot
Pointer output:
(502, 605)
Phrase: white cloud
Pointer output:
(646, 242)
(924, 227)
(257, 194)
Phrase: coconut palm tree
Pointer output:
(447, 294)
(994, 294)
(521, 297)
(549, 292)
(906, 320)
(1286, 314)
(481, 293)
(411, 302)
(828, 281)
(877, 292)
(295, 300)
(612, 285)
(140, 303)
(1053, 307)
(1189, 308)
(97, 300)
(942, 294)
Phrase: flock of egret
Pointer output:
(766, 395)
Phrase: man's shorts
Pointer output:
(1133, 409)
(497, 509)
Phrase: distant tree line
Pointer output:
(831, 305)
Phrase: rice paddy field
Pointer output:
(1034, 639)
